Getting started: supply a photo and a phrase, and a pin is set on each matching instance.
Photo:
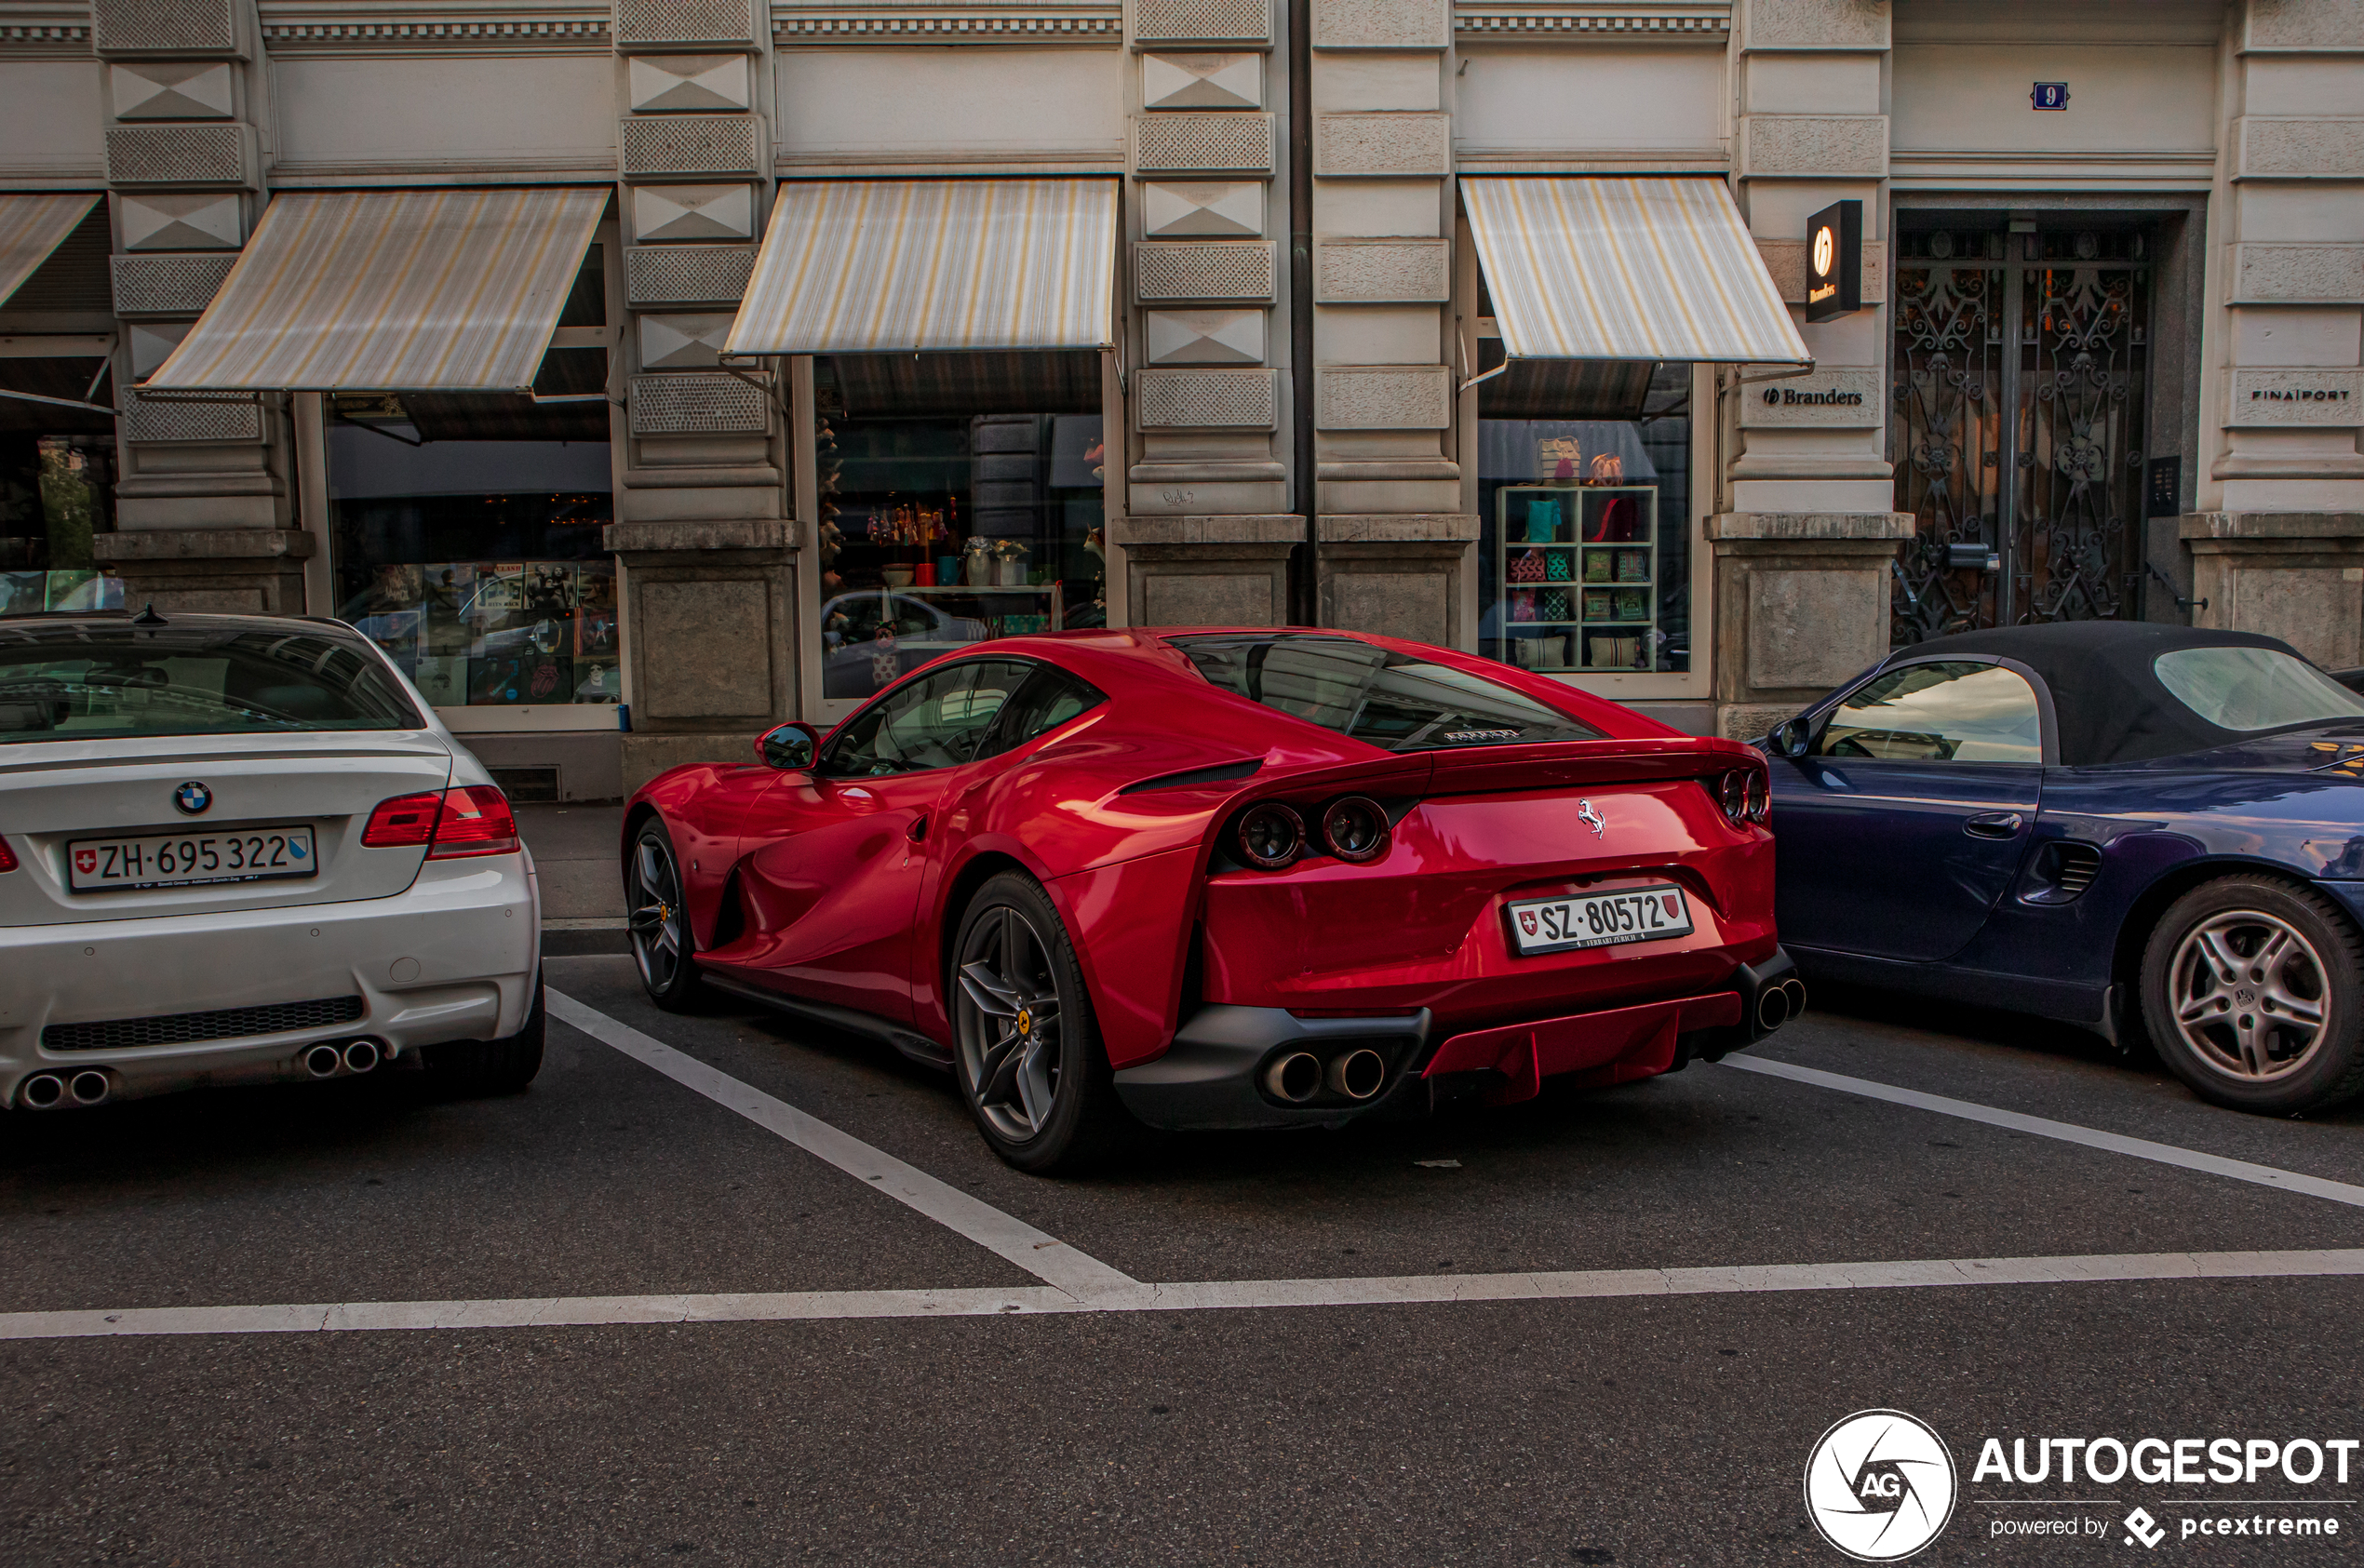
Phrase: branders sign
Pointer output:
(1835, 262)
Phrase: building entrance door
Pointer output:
(2016, 424)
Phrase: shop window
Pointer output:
(960, 501)
(1584, 495)
(57, 487)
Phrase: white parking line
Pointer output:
(1212, 1296)
(1046, 1257)
(2066, 1132)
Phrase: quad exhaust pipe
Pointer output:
(1777, 1004)
(1298, 1076)
(352, 1058)
(1356, 1074)
(51, 1092)
(1294, 1077)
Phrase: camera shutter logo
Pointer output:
(1880, 1485)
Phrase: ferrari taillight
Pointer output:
(472, 820)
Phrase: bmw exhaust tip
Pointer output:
(1357, 1074)
(322, 1061)
(361, 1055)
(1773, 1008)
(42, 1092)
(1296, 1077)
(89, 1087)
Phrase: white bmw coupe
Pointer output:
(238, 847)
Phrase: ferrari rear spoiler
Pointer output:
(1571, 764)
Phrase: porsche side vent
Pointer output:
(1224, 772)
(2074, 867)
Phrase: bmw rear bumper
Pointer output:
(451, 957)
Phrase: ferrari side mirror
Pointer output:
(790, 747)
(1791, 737)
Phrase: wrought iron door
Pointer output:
(2016, 428)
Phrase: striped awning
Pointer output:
(392, 291)
(1583, 268)
(867, 266)
(31, 227)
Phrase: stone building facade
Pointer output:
(2106, 359)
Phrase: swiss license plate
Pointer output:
(1552, 925)
(188, 860)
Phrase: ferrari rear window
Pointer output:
(1393, 701)
(74, 681)
(2253, 687)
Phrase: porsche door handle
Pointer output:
(1995, 824)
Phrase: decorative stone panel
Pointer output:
(698, 404)
(1828, 399)
(1174, 209)
(167, 285)
(1382, 24)
(2307, 398)
(676, 24)
(1814, 146)
(2305, 24)
(152, 344)
(1815, 24)
(678, 144)
(1785, 263)
(688, 274)
(182, 221)
(1203, 81)
(671, 84)
(1202, 21)
(164, 89)
(1204, 337)
(1185, 143)
(220, 419)
(2319, 274)
(2271, 147)
(1383, 397)
(1383, 145)
(1498, 23)
(1372, 272)
(683, 343)
(709, 212)
(181, 154)
(1208, 399)
(164, 27)
(1193, 269)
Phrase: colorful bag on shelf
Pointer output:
(1597, 566)
(1632, 566)
(1596, 604)
(1552, 604)
(1527, 567)
(1522, 603)
(1556, 565)
(1542, 521)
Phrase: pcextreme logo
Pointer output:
(1880, 1485)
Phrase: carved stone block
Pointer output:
(672, 24)
(1202, 21)
(692, 212)
(1828, 399)
(152, 343)
(2304, 399)
(1814, 146)
(1382, 24)
(1173, 210)
(720, 630)
(1208, 399)
(1204, 337)
(1387, 145)
(2276, 147)
(167, 285)
(182, 221)
(181, 154)
(2305, 24)
(688, 274)
(2321, 273)
(1815, 24)
(1203, 81)
(225, 420)
(682, 342)
(1370, 271)
(1191, 142)
(170, 90)
(164, 27)
(663, 145)
(1382, 397)
(671, 84)
(698, 404)
(1204, 269)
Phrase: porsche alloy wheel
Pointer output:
(1030, 1062)
(658, 921)
(2250, 989)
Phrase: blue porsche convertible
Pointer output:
(2144, 829)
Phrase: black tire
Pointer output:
(469, 1069)
(2253, 994)
(1041, 1088)
(661, 944)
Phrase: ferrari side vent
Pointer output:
(1222, 772)
(2074, 867)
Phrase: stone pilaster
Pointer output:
(1801, 604)
(2294, 575)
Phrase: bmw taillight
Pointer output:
(472, 820)
(7, 856)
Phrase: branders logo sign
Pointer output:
(1880, 1485)
(1790, 398)
(1834, 261)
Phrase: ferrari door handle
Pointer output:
(917, 831)
(1995, 824)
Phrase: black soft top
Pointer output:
(2107, 700)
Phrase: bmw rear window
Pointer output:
(75, 681)
(1394, 701)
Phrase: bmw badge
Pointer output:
(192, 798)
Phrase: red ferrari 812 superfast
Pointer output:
(1225, 879)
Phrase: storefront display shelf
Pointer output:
(1573, 563)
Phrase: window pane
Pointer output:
(1390, 700)
(59, 684)
(934, 722)
(1939, 713)
(1048, 699)
(2253, 687)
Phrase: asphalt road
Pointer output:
(1616, 1415)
